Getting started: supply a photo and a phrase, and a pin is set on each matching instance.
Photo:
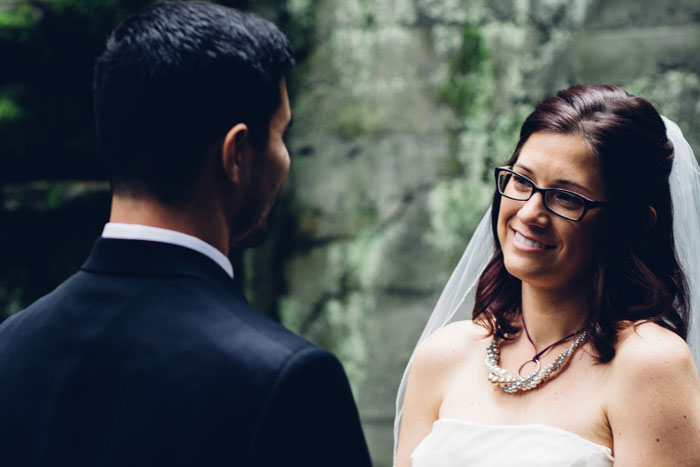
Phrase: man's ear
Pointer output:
(235, 151)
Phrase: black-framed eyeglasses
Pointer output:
(564, 203)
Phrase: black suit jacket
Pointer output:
(151, 356)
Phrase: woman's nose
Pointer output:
(533, 211)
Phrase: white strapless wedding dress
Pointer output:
(458, 443)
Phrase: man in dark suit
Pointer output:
(150, 355)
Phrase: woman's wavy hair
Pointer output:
(637, 275)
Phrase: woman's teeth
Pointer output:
(530, 243)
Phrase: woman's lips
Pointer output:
(520, 238)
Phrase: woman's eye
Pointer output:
(566, 198)
(520, 181)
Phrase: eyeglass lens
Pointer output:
(520, 188)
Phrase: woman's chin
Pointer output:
(535, 274)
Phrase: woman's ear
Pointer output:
(235, 151)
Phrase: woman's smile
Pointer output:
(529, 244)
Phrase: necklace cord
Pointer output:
(537, 355)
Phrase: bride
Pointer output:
(579, 296)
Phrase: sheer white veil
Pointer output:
(685, 194)
(457, 299)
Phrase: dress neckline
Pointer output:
(536, 426)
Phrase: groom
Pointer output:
(150, 355)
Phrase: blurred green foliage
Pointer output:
(9, 110)
(463, 85)
(457, 202)
(18, 15)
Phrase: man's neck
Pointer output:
(204, 224)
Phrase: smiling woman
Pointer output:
(580, 310)
(538, 248)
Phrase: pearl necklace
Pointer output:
(511, 384)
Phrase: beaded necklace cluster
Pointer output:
(511, 384)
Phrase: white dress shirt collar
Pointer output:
(157, 234)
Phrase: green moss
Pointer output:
(352, 122)
(46, 196)
(10, 300)
(485, 136)
(55, 195)
(452, 166)
(334, 317)
(9, 110)
(297, 20)
(21, 15)
(338, 328)
(308, 221)
(290, 314)
(361, 215)
(456, 207)
(465, 73)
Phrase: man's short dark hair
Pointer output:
(174, 78)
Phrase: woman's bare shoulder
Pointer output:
(450, 342)
(649, 354)
(654, 399)
(652, 346)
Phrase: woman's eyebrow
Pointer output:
(521, 166)
(560, 181)
(563, 181)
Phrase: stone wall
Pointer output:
(402, 108)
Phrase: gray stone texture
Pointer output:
(391, 170)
